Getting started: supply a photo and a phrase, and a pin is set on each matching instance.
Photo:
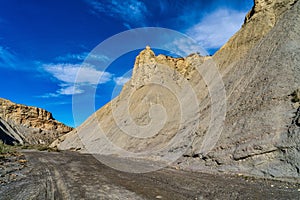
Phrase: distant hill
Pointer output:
(22, 124)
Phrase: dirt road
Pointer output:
(69, 175)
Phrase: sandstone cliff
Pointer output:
(260, 135)
(28, 125)
(259, 66)
(258, 22)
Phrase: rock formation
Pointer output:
(260, 70)
(28, 125)
(261, 133)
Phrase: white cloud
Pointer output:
(215, 29)
(130, 11)
(95, 57)
(7, 57)
(77, 73)
(64, 90)
(70, 90)
(121, 80)
(74, 76)
(184, 47)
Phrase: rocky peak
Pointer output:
(258, 22)
(148, 65)
(145, 56)
(270, 9)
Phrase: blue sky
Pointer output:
(43, 43)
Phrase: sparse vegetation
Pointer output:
(4, 148)
(296, 96)
(40, 147)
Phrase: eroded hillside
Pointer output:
(260, 134)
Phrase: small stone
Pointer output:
(272, 185)
(296, 105)
(158, 197)
(13, 176)
(176, 168)
(299, 190)
(22, 161)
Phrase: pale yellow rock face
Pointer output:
(260, 136)
(258, 22)
(31, 125)
(126, 121)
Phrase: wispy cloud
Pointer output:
(185, 46)
(70, 58)
(73, 76)
(70, 90)
(121, 80)
(48, 95)
(7, 57)
(216, 28)
(130, 11)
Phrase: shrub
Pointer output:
(296, 96)
(4, 148)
